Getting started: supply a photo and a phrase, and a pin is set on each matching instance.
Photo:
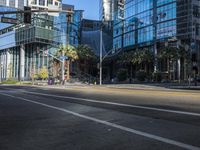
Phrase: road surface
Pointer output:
(40, 118)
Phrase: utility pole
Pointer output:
(63, 67)
(155, 37)
(101, 54)
(0, 71)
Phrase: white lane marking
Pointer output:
(119, 104)
(137, 132)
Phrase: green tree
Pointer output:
(85, 52)
(137, 58)
(126, 58)
(70, 52)
(87, 59)
(172, 54)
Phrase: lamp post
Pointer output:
(0, 73)
(120, 17)
(68, 20)
(101, 54)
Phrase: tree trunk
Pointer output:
(145, 67)
(168, 69)
(185, 70)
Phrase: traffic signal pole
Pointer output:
(101, 54)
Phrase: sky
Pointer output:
(90, 7)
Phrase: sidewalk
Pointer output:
(155, 86)
(158, 86)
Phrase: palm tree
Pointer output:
(147, 58)
(169, 54)
(136, 58)
(85, 52)
(172, 54)
(126, 59)
(68, 51)
(88, 57)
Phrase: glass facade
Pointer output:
(106, 10)
(142, 21)
(155, 24)
(19, 4)
(44, 33)
(166, 18)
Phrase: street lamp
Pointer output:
(120, 17)
(68, 20)
(0, 73)
(101, 53)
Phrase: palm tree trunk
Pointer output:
(145, 67)
(131, 73)
(168, 69)
(185, 70)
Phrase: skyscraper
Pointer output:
(106, 10)
(154, 25)
(24, 47)
(12, 3)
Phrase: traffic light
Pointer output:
(27, 15)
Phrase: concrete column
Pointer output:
(22, 62)
(4, 65)
(38, 50)
(8, 65)
(43, 57)
(155, 57)
(155, 36)
(35, 59)
(179, 70)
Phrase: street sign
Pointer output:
(63, 57)
(9, 20)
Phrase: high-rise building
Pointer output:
(91, 28)
(23, 47)
(45, 4)
(106, 10)
(13, 3)
(152, 25)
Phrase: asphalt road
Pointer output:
(36, 118)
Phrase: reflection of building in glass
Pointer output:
(13, 3)
(44, 4)
(90, 35)
(23, 47)
(152, 24)
(106, 10)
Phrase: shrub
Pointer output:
(157, 77)
(122, 74)
(43, 73)
(9, 81)
(141, 75)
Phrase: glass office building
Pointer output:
(13, 3)
(106, 10)
(23, 47)
(139, 23)
(153, 24)
(91, 28)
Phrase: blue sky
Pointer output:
(90, 7)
